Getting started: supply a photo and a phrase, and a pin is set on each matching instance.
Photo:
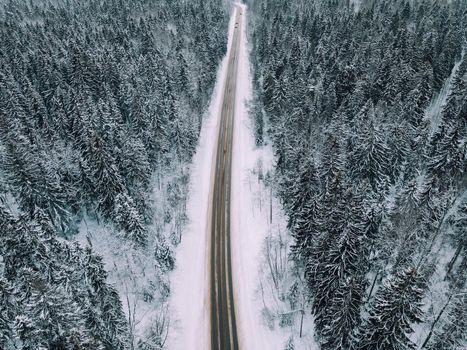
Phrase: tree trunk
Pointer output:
(435, 322)
(372, 286)
(453, 260)
(301, 323)
(270, 205)
(438, 229)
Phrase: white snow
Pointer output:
(129, 271)
(251, 207)
(252, 203)
(433, 113)
(249, 218)
(189, 301)
(356, 4)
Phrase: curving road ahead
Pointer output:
(223, 324)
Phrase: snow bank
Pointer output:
(257, 216)
(252, 204)
(189, 302)
(249, 223)
(433, 113)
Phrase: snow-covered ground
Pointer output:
(253, 205)
(258, 223)
(433, 112)
(189, 302)
(250, 213)
(356, 4)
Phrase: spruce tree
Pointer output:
(452, 335)
(397, 306)
(343, 317)
(129, 220)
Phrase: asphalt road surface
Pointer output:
(223, 323)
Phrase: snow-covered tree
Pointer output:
(396, 308)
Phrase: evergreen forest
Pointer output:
(365, 105)
(100, 101)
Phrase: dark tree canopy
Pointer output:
(365, 105)
(97, 99)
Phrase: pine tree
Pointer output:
(134, 164)
(342, 262)
(103, 173)
(362, 91)
(259, 124)
(106, 319)
(8, 303)
(129, 220)
(370, 155)
(452, 335)
(303, 207)
(396, 307)
(458, 239)
(343, 316)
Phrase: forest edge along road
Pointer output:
(223, 321)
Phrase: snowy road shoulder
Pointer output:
(250, 224)
(189, 302)
(257, 218)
